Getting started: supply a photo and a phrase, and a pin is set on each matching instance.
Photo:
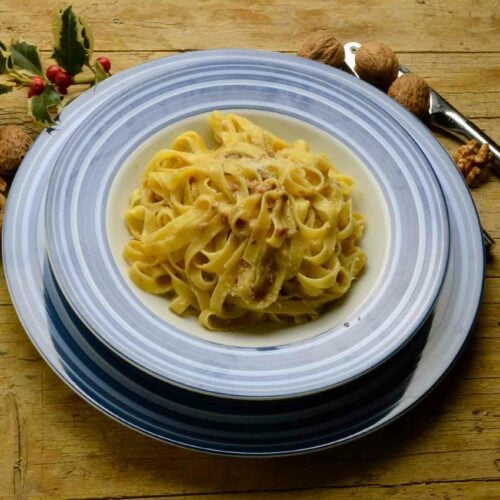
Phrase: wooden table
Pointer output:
(54, 445)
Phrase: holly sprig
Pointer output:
(21, 66)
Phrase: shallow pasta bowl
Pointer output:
(406, 238)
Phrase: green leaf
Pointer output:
(25, 58)
(45, 107)
(4, 89)
(6, 64)
(73, 42)
(87, 39)
(100, 73)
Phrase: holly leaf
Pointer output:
(87, 39)
(44, 107)
(4, 89)
(73, 42)
(6, 64)
(100, 72)
(25, 58)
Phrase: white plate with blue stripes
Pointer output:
(219, 425)
(407, 236)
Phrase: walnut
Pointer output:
(413, 93)
(14, 144)
(474, 161)
(377, 64)
(323, 47)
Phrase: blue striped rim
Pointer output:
(217, 425)
(327, 99)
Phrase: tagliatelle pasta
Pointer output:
(253, 229)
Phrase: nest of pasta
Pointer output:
(253, 229)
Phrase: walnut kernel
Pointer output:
(323, 47)
(474, 161)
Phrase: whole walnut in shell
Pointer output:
(323, 47)
(14, 144)
(377, 64)
(412, 92)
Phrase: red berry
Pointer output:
(105, 63)
(37, 86)
(61, 89)
(38, 80)
(52, 71)
(63, 80)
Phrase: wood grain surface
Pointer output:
(54, 445)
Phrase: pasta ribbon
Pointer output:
(254, 229)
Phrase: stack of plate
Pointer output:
(280, 390)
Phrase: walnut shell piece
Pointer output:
(377, 64)
(323, 47)
(14, 144)
(474, 161)
(412, 92)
